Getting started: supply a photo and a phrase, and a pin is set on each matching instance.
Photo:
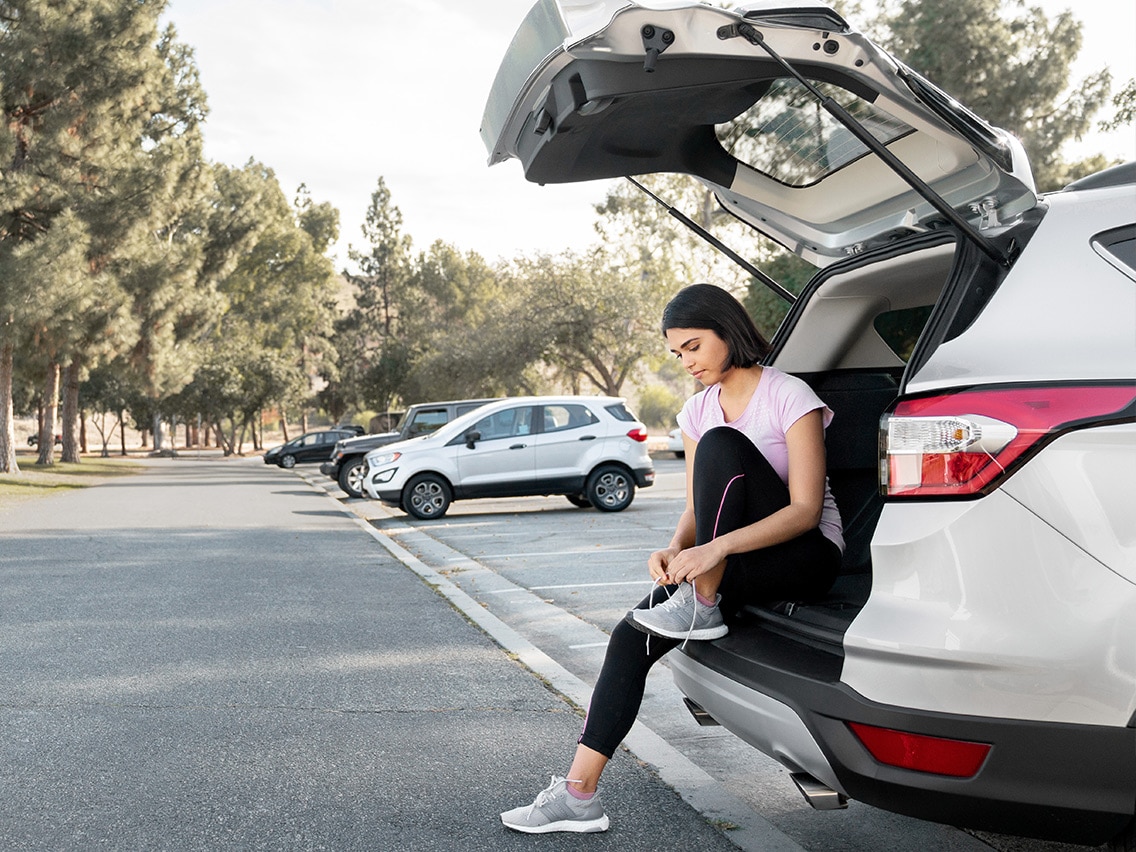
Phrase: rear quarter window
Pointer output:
(620, 411)
(901, 329)
(1118, 247)
(557, 418)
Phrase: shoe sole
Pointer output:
(590, 826)
(705, 633)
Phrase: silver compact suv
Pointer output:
(591, 449)
(975, 663)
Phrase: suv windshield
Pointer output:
(788, 136)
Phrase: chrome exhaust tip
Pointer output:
(820, 796)
(700, 716)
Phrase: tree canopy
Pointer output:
(139, 280)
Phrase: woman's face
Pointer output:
(704, 354)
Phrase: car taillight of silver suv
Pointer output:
(964, 444)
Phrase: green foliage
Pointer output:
(1008, 63)
(100, 115)
(598, 314)
(658, 405)
(1124, 104)
(368, 335)
(191, 288)
(766, 307)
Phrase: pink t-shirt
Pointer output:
(779, 401)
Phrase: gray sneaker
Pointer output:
(555, 809)
(681, 616)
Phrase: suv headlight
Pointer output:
(380, 459)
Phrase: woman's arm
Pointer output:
(805, 442)
(684, 534)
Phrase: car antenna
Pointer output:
(838, 112)
(721, 246)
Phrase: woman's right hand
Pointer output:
(658, 562)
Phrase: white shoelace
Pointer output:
(545, 795)
(693, 611)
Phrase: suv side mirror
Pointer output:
(471, 438)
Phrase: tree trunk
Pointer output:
(304, 421)
(83, 430)
(70, 413)
(50, 415)
(122, 430)
(159, 435)
(7, 434)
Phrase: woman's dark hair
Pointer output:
(707, 306)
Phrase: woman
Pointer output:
(759, 524)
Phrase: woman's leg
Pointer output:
(734, 485)
(618, 694)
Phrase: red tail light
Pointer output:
(920, 753)
(638, 434)
(965, 443)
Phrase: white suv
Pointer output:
(590, 449)
(975, 663)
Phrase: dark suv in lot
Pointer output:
(346, 462)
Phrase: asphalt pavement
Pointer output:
(212, 655)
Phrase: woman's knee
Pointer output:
(723, 439)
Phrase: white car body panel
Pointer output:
(944, 631)
(1084, 486)
(1068, 315)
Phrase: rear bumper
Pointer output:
(644, 477)
(1066, 782)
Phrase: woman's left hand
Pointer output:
(695, 561)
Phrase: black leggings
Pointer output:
(734, 486)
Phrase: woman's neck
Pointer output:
(735, 390)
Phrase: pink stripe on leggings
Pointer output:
(725, 491)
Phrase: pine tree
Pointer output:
(88, 90)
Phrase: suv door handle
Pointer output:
(588, 438)
(518, 446)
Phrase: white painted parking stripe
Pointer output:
(568, 586)
(591, 551)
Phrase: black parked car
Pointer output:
(33, 440)
(309, 447)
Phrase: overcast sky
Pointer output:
(335, 93)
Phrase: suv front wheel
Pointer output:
(427, 496)
(351, 476)
(610, 488)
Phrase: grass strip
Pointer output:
(41, 481)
